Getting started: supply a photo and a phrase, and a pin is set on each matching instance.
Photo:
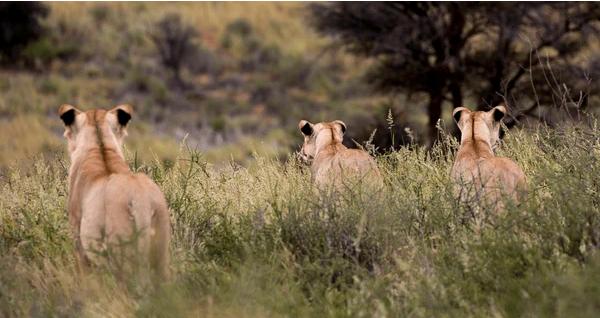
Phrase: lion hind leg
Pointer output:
(160, 241)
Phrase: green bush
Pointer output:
(20, 24)
(259, 241)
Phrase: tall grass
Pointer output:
(258, 241)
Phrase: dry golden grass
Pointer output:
(24, 138)
(280, 24)
(259, 242)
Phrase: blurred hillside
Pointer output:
(234, 79)
(249, 73)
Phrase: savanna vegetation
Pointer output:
(256, 241)
(218, 91)
(230, 79)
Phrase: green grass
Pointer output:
(257, 241)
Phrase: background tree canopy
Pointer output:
(530, 56)
(19, 25)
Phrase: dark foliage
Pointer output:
(256, 55)
(452, 51)
(19, 26)
(175, 43)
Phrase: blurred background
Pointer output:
(234, 79)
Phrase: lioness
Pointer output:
(331, 162)
(108, 204)
(477, 173)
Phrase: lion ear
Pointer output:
(67, 113)
(498, 112)
(458, 111)
(306, 127)
(342, 125)
(124, 113)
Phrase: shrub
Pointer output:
(100, 13)
(204, 61)
(19, 26)
(175, 43)
(240, 39)
(41, 53)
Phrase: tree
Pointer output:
(174, 41)
(19, 26)
(451, 50)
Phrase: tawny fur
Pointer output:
(107, 203)
(477, 173)
(332, 163)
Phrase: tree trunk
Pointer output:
(434, 112)
(457, 98)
